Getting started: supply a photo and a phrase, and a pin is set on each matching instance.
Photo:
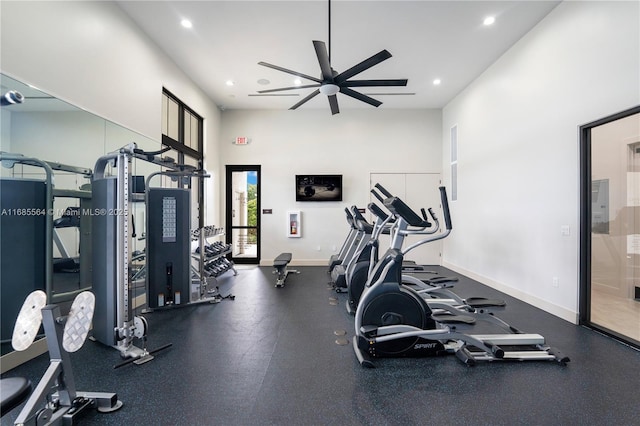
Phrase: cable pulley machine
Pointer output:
(114, 322)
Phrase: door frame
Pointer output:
(584, 314)
(229, 170)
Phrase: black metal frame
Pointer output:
(585, 222)
(228, 217)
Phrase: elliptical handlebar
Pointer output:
(377, 211)
(383, 190)
(350, 220)
(445, 207)
(378, 196)
(433, 215)
(359, 221)
(356, 214)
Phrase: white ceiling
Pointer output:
(428, 40)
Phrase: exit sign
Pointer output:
(242, 140)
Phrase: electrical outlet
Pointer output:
(565, 230)
(555, 282)
(318, 248)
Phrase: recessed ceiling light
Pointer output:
(437, 82)
(263, 81)
(229, 83)
(186, 23)
(489, 20)
(297, 82)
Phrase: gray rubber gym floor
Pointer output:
(270, 357)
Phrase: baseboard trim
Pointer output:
(13, 359)
(545, 305)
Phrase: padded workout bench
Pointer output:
(280, 264)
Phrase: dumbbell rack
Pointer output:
(212, 262)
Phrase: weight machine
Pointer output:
(114, 322)
(168, 264)
(171, 279)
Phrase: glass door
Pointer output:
(610, 237)
(242, 213)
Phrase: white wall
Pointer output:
(518, 164)
(353, 143)
(92, 55)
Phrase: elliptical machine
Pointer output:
(393, 320)
(435, 289)
(348, 243)
(364, 231)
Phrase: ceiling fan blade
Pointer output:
(314, 93)
(373, 83)
(299, 74)
(362, 66)
(289, 88)
(323, 60)
(360, 96)
(333, 103)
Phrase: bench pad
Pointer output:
(282, 260)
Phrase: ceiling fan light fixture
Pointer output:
(331, 82)
(329, 89)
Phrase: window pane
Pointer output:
(187, 129)
(165, 107)
(172, 117)
(195, 133)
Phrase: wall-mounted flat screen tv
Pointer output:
(318, 187)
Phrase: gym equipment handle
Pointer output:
(424, 215)
(359, 221)
(356, 214)
(383, 190)
(378, 196)
(377, 211)
(445, 207)
(433, 215)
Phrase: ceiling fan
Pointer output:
(332, 82)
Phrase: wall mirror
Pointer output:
(69, 140)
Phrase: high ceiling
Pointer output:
(429, 40)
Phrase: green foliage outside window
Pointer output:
(252, 211)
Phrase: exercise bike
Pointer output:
(393, 320)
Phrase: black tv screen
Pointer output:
(318, 187)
